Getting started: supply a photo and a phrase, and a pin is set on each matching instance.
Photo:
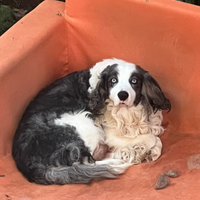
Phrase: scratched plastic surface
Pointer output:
(57, 38)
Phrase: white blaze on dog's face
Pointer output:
(122, 84)
(123, 81)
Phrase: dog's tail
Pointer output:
(77, 173)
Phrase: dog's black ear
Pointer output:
(153, 95)
(99, 95)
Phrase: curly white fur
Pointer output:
(130, 133)
(131, 121)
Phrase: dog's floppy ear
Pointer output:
(99, 94)
(153, 95)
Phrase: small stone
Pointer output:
(172, 173)
(162, 182)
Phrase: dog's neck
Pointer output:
(130, 121)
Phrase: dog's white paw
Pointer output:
(154, 154)
(118, 165)
(121, 168)
(155, 151)
(132, 154)
(111, 162)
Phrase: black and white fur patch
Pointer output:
(91, 124)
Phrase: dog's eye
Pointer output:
(113, 80)
(134, 81)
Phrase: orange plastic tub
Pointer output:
(57, 38)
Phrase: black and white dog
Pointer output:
(91, 124)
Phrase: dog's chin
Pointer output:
(121, 104)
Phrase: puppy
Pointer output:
(91, 124)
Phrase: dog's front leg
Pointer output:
(145, 147)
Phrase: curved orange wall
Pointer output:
(32, 55)
(161, 36)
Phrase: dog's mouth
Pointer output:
(123, 104)
(120, 103)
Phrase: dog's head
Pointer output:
(126, 84)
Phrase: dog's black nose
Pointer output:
(123, 95)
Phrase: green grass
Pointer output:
(7, 18)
